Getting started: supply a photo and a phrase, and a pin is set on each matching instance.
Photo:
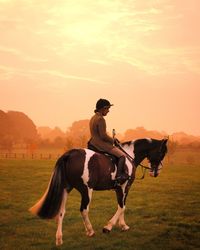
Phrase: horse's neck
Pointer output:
(129, 148)
(139, 158)
(141, 147)
(138, 149)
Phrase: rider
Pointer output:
(103, 142)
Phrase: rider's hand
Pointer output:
(116, 142)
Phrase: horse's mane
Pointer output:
(137, 141)
(126, 143)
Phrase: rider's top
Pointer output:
(99, 137)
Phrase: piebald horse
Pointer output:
(86, 170)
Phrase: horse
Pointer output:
(87, 170)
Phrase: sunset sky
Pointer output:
(57, 58)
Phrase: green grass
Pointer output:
(163, 212)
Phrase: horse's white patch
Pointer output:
(159, 168)
(88, 155)
(152, 172)
(149, 140)
(129, 166)
(129, 148)
(113, 174)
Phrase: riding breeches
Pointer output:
(117, 152)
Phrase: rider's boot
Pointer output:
(121, 175)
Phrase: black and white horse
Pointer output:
(86, 170)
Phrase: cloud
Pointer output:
(138, 33)
(20, 54)
(11, 72)
(73, 77)
(12, 51)
(101, 62)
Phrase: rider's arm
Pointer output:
(102, 131)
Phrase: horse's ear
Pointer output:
(165, 140)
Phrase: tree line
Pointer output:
(18, 130)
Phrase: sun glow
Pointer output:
(86, 32)
(78, 51)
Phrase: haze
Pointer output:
(57, 58)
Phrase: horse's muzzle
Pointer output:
(154, 173)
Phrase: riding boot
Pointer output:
(121, 175)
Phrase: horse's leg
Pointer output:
(86, 194)
(122, 223)
(112, 222)
(121, 207)
(59, 219)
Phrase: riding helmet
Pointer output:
(102, 103)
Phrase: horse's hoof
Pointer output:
(105, 230)
(125, 228)
(59, 242)
(90, 234)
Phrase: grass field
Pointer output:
(163, 212)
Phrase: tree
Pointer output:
(15, 128)
(23, 128)
(141, 132)
(171, 149)
(69, 143)
(59, 142)
(79, 133)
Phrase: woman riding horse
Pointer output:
(102, 142)
(88, 171)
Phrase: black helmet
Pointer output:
(102, 103)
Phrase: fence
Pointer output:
(24, 156)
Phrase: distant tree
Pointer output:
(23, 128)
(7, 142)
(16, 128)
(6, 137)
(83, 139)
(55, 133)
(5, 123)
(195, 145)
(69, 143)
(172, 147)
(79, 133)
(31, 147)
(44, 132)
(45, 144)
(141, 132)
(59, 142)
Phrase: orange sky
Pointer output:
(58, 57)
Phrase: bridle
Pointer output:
(131, 159)
(144, 168)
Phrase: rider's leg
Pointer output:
(121, 175)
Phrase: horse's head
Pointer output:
(155, 156)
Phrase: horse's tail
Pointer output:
(48, 206)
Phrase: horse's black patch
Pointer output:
(100, 169)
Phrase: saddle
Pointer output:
(113, 158)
